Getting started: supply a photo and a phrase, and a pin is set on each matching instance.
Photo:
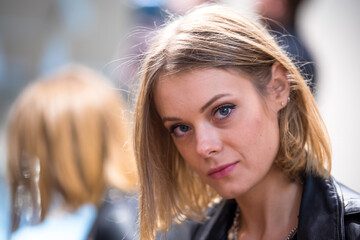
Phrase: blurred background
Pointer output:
(38, 36)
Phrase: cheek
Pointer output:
(265, 130)
(250, 130)
(188, 154)
(254, 130)
(266, 138)
(256, 136)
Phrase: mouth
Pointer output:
(222, 171)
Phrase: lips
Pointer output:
(222, 171)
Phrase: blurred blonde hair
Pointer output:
(74, 126)
(215, 37)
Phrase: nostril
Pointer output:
(211, 153)
(205, 151)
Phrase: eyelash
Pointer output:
(229, 106)
(216, 110)
(174, 127)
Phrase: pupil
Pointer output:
(184, 128)
(224, 111)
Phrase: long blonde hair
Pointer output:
(215, 37)
(68, 134)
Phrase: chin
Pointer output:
(231, 189)
(230, 194)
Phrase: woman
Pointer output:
(68, 149)
(223, 114)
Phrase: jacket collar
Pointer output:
(351, 200)
(321, 210)
(221, 219)
(321, 213)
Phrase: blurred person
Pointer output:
(280, 16)
(71, 168)
(224, 119)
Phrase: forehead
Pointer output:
(196, 87)
(192, 78)
(201, 79)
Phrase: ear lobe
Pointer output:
(279, 85)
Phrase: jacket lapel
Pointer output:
(321, 210)
(221, 218)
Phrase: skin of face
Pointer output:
(223, 128)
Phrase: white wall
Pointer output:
(331, 30)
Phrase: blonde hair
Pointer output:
(215, 37)
(69, 134)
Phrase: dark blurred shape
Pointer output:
(70, 152)
(280, 17)
(116, 218)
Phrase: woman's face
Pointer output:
(221, 126)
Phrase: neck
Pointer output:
(270, 210)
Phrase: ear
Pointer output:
(279, 87)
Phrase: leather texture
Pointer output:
(329, 210)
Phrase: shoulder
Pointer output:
(349, 197)
(329, 210)
(351, 200)
(351, 203)
(214, 226)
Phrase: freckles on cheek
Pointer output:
(253, 130)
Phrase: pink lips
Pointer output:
(221, 171)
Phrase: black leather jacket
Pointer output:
(328, 210)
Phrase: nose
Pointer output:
(208, 142)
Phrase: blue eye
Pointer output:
(179, 130)
(223, 111)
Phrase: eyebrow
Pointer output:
(170, 119)
(202, 109)
(216, 97)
